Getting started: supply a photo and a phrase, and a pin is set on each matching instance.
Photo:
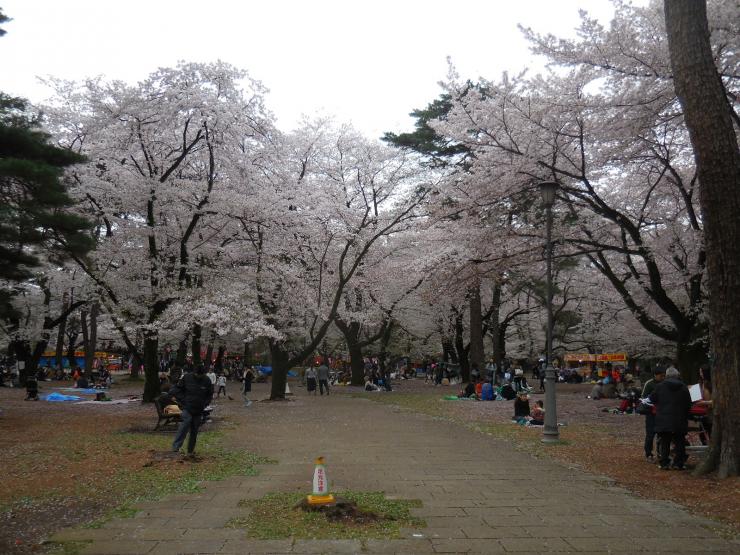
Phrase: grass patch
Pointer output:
(273, 517)
(65, 548)
(154, 481)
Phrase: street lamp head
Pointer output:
(548, 190)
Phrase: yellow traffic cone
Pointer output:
(321, 495)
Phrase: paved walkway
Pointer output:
(478, 494)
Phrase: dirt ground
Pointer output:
(53, 454)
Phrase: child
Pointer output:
(538, 414)
(221, 383)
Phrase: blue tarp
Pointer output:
(57, 397)
(267, 371)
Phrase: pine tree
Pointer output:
(32, 197)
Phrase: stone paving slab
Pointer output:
(478, 494)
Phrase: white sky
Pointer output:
(366, 61)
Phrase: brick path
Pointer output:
(478, 494)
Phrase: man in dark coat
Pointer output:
(650, 386)
(193, 392)
(673, 402)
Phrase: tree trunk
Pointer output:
(476, 354)
(151, 367)
(247, 354)
(351, 333)
(21, 350)
(356, 362)
(38, 351)
(89, 336)
(498, 332)
(209, 352)
(384, 342)
(59, 350)
(87, 369)
(279, 370)
(462, 355)
(182, 352)
(708, 117)
(71, 344)
(135, 365)
(195, 348)
(219, 365)
(448, 351)
(690, 355)
(137, 355)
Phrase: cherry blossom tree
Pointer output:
(162, 154)
(603, 124)
(330, 198)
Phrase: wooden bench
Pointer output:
(164, 419)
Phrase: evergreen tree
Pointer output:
(32, 197)
(425, 140)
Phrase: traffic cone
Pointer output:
(321, 495)
(287, 389)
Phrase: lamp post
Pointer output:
(551, 434)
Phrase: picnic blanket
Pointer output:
(58, 397)
(111, 402)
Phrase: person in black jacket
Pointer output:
(193, 392)
(673, 402)
(647, 390)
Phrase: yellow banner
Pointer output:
(589, 357)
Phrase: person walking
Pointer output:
(221, 384)
(647, 390)
(212, 376)
(193, 392)
(247, 386)
(322, 373)
(311, 380)
(673, 402)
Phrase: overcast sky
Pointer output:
(369, 62)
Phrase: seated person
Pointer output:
(370, 386)
(82, 383)
(468, 392)
(597, 391)
(630, 396)
(538, 414)
(169, 404)
(521, 406)
(609, 390)
(479, 388)
(32, 389)
(507, 392)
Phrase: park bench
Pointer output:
(162, 418)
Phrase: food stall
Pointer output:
(583, 363)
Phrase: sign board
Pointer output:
(590, 357)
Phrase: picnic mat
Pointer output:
(58, 397)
